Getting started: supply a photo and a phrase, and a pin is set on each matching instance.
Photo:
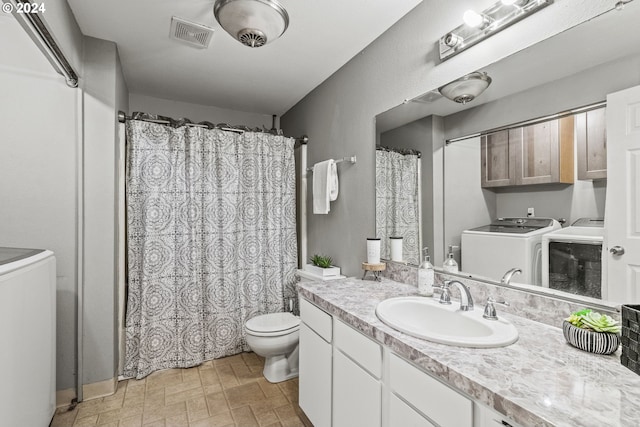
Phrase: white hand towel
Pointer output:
(325, 186)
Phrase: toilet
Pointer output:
(275, 337)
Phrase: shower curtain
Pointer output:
(397, 202)
(211, 240)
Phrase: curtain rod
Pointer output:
(122, 118)
(535, 121)
(40, 34)
(403, 151)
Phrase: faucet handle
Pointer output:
(490, 309)
(445, 296)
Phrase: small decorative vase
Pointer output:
(593, 342)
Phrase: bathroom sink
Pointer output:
(426, 318)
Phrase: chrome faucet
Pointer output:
(466, 301)
(509, 274)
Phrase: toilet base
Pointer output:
(278, 368)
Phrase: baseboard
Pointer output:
(99, 389)
(64, 397)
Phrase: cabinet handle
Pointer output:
(504, 423)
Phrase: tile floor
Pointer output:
(223, 392)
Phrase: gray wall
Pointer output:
(38, 181)
(196, 112)
(339, 114)
(587, 87)
(104, 94)
(65, 145)
(467, 204)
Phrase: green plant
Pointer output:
(321, 261)
(589, 319)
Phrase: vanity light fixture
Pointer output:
(466, 88)
(480, 25)
(517, 3)
(475, 19)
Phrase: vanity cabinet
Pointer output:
(349, 380)
(541, 153)
(315, 364)
(591, 141)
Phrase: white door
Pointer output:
(622, 210)
(356, 394)
(314, 389)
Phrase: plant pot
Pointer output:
(324, 272)
(593, 342)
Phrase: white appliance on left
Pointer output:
(493, 249)
(27, 336)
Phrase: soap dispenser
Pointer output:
(426, 275)
(450, 265)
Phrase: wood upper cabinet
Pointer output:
(591, 141)
(536, 154)
(498, 161)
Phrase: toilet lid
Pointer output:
(273, 322)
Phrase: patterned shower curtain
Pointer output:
(211, 240)
(397, 198)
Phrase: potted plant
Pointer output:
(591, 331)
(321, 266)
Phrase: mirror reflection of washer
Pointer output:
(491, 250)
(572, 258)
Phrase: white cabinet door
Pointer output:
(403, 415)
(622, 208)
(314, 392)
(356, 394)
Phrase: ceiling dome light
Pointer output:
(466, 88)
(253, 23)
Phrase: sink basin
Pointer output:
(426, 318)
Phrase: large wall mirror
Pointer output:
(482, 162)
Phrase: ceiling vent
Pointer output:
(193, 34)
(428, 97)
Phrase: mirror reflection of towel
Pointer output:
(325, 186)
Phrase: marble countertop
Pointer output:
(538, 381)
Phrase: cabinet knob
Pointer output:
(617, 250)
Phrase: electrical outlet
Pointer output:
(531, 212)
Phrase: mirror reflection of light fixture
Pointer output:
(466, 88)
(478, 26)
(253, 23)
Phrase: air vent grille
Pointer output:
(197, 35)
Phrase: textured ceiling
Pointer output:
(322, 36)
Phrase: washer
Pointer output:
(506, 243)
(572, 258)
(28, 336)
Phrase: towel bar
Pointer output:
(351, 159)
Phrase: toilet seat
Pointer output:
(272, 324)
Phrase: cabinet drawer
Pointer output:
(316, 319)
(437, 401)
(366, 352)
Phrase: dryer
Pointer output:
(572, 258)
(506, 243)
